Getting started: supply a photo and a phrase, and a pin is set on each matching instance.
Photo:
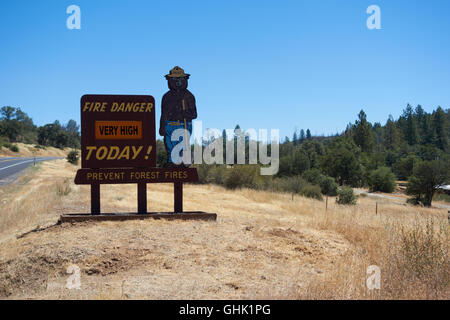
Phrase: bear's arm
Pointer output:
(162, 130)
(191, 110)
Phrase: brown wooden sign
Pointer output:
(118, 131)
(118, 145)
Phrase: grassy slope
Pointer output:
(263, 245)
(28, 150)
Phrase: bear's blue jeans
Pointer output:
(170, 127)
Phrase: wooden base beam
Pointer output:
(191, 215)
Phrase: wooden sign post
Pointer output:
(118, 146)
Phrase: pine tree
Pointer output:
(362, 133)
(308, 134)
(390, 134)
(429, 133)
(421, 116)
(294, 138)
(440, 127)
(410, 129)
(302, 135)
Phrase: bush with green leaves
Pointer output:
(312, 191)
(217, 174)
(382, 179)
(202, 171)
(403, 168)
(73, 157)
(243, 176)
(12, 147)
(313, 176)
(328, 186)
(346, 196)
(292, 184)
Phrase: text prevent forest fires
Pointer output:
(118, 131)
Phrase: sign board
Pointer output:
(118, 145)
(118, 131)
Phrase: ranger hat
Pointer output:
(177, 72)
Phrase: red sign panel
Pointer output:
(118, 131)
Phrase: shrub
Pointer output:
(313, 176)
(243, 176)
(12, 147)
(442, 197)
(382, 179)
(421, 259)
(216, 174)
(312, 192)
(202, 171)
(328, 186)
(292, 184)
(63, 188)
(414, 201)
(346, 196)
(73, 157)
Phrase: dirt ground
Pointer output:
(263, 245)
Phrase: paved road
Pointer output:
(10, 168)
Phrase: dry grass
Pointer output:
(264, 245)
(409, 244)
(33, 199)
(28, 150)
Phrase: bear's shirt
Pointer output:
(172, 106)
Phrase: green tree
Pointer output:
(426, 178)
(403, 168)
(308, 134)
(342, 162)
(390, 134)
(294, 163)
(410, 126)
(328, 186)
(382, 179)
(346, 196)
(53, 135)
(440, 127)
(362, 133)
(302, 136)
(10, 125)
(314, 150)
(428, 131)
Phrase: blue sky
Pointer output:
(262, 64)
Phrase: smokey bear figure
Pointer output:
(177, 111)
